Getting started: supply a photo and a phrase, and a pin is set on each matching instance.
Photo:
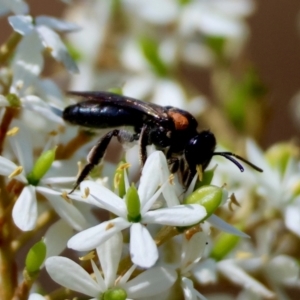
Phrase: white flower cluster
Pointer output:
(146, 240)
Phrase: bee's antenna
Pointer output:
(229, 155)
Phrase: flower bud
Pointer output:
(41, 166)
(13, 100)
(209, 196)
(133, 204)
(114, 294)
(35, 257)
(223, 245)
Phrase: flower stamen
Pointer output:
(13, 131)
(16, 172)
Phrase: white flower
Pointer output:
(192, 251)
(143, 249)
(35, 296)
(216, 18)
(28, 61)
(18, 7)
(69, 274)
(25, 211)
(278, 189)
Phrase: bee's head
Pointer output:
(201, 148)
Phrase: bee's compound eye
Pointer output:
(200, 149)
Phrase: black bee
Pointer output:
(170, 129)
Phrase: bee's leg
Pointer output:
(98, 151)
(144, 141)
(173, 163)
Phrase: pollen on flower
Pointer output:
(80, 167)
(243, 255)
(123, 166)
(190, 232)
(48, 49)
(109, 226)
(13, 131)
(64, 195)
(16, 172)
(88, 256)
(53, 133)
(233, 201)
(117, 179)
(171, 179)
(86, 193)
(199, 172)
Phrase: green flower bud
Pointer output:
(279, 155)
(209, 196)
(13, 100)
(35, 257)
(114, 294)
(133, 204)
(41, 166)
(223, 245)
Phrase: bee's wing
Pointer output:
(155, 111)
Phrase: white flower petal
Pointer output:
(35, 296)
(70, 275)
(188, 289)
(150, 202)
(22, 145)
(27, 63)
(50, 91)
(239, 276)
(180, 215)
(292, 217)
(3, 101)
(65, 210)
(38, 105)
(205, 272)
(21, 24)
(57, 180)
(93, 237)
(143, 250)
(98, 276)
(169, 92)
(56, 24)
(58, 50)
(156, 164)
(157, 11)
(127, 275)
(25, 209)
(7, 167)
(18, 7)
(150, 178)
(217, 222)
(192, 250)
(109, 254)
(151, 282)
(283, 269)
(56, 237)
(104, 198)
